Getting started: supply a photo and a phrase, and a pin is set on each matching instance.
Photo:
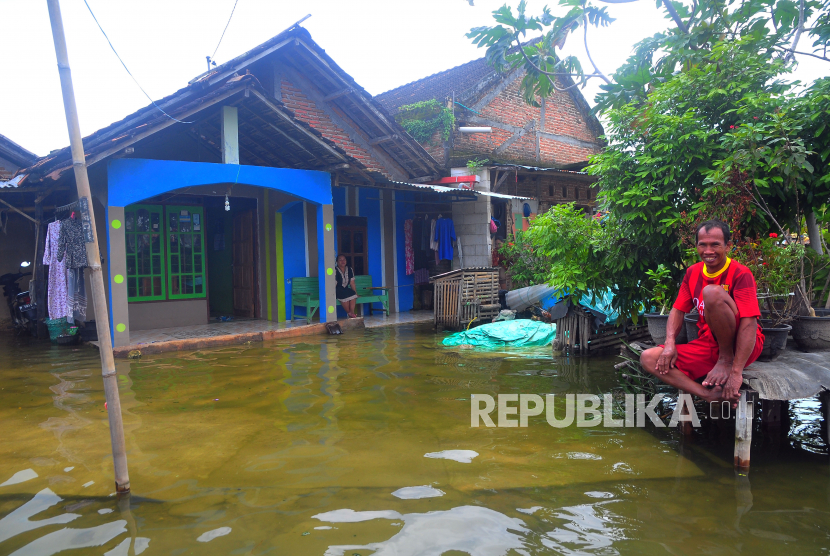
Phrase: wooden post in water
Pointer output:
(743, 431)
(119, 452)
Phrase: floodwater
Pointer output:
(318, 447)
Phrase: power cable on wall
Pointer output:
(128, 70)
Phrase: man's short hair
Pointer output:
(709, 224)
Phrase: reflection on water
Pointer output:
(469, 529)
(316, 448)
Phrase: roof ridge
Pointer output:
(525, 43)
(431, 75)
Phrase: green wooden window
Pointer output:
(144, 233)
(185, 252)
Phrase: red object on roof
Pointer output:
(455, 179)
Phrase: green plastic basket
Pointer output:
(56, 327)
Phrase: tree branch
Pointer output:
(825, 58)
(798, 33)
(549, 74)
(588, 52)
(675, 16)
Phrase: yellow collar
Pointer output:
(718, 273)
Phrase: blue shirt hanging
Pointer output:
(445, 235)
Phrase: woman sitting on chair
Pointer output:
(344, 277)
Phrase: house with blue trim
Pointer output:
(212, 200)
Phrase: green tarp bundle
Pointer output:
(513, 333)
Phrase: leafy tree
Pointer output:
(776, 28)
(701, 122)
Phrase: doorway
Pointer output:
(244, 267)
(232, 257)
(351, 236)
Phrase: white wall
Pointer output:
(472, 224)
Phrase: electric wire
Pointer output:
(128, 70)
(223, 31)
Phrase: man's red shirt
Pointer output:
(734, 277)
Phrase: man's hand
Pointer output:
(732, 388)
(667, 359)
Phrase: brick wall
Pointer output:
(562, 117)
(306, 110)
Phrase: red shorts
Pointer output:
(698, 357)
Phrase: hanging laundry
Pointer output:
(425, 231)
(57, 304)
(71, 246)
(444, 236)
(408, 251)
(75, 295)
(421, 276)
(433, 243)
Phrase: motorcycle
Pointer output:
(22, 308)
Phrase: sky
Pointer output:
(381, 43)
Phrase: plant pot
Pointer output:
(775, 341)
(690, 325)
(813, 333)
(657, 328)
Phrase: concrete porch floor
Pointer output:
(240, 331)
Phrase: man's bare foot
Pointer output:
(715, 394)
(719, 374)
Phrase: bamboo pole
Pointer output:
(119, 452)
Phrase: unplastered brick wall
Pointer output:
(306, 110)
(472, 227)
(562, 117)
(435, 146)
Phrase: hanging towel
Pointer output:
(409, 252)
(71, 246)
(57, 304)
(445, 235)
(433, 242)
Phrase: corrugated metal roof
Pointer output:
(455, 190)
(539, 169)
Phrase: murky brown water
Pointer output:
(297, 449)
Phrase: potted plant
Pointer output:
(663, 293)
(812, 332)
(776, 267)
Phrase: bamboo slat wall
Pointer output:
(465, 295)
(576, 333)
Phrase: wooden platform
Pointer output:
(793, 375)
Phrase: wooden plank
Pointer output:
(18, 211)
(338, 94)
(743, 431)
(793, 375)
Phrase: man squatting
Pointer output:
(729, 337)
